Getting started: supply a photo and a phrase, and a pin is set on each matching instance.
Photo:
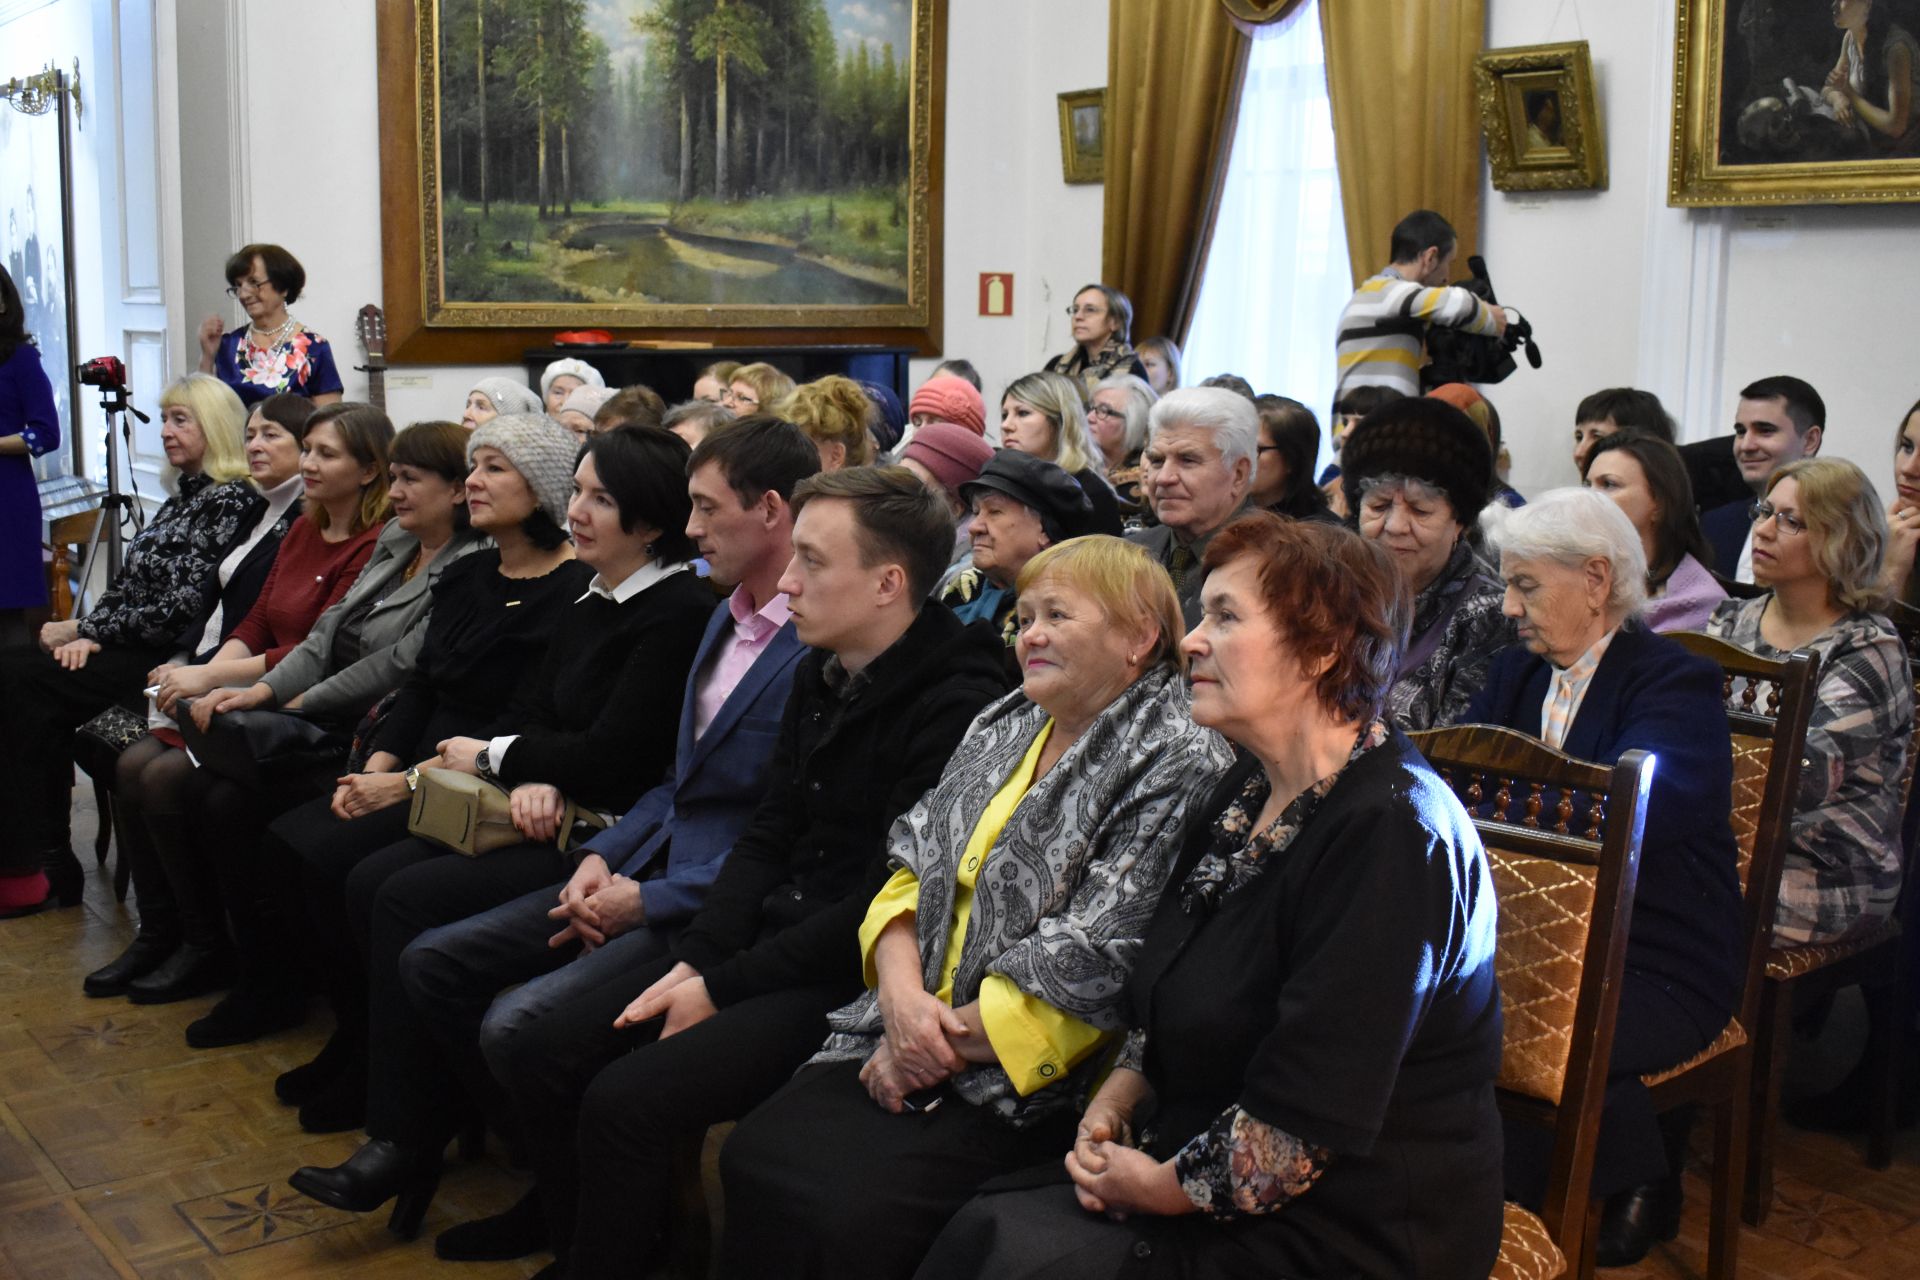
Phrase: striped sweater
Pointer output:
(1380, 341)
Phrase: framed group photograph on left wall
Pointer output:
(737, 171)
(36, 244)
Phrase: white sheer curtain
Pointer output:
(1276, 273)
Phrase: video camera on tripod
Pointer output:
(1458, 356)
(109, 374)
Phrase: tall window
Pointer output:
(1276, 274)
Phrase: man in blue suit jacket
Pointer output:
(449, 934)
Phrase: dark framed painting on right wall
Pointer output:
(1793, 102)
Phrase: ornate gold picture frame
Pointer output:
(1541, 122)
(1083, 135)
(741, 172)
(1792, 107)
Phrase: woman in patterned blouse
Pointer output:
(1317, 1024)
(1818, 543)
(166, 586)
(272, 352)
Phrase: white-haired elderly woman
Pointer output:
(1417, 473)
(1043, 414)
(1202, 448)
(1818, 540)
(1117, 420)
(1589, 679)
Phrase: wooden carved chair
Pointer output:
(1563, 842)
(1768, 703)
(1875, 961)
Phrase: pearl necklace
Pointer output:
(268, 339)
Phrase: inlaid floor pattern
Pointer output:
(125, 1153)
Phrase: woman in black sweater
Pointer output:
(596, 722)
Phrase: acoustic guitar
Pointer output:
(372, 325)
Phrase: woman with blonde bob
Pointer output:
(1819, 539)
(167, 584)
(833, 411)
(756, 388)
(1043, 414)
(996, 953)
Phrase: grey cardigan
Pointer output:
(391, 636)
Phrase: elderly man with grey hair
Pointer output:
(1198, 464)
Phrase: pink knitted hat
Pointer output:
(951, 399)
(954, 454)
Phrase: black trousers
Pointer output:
(41, 704)
(1654, 1031)
(308, 854)
(419, 1049)
(602, 1110)
(1036, 1234)
(822, 1182)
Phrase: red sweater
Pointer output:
(309, 574)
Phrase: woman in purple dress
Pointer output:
(29, 427)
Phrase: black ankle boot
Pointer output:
(244, 1016)
(380, 1171)
(342, 1106)
(190, 971)
(310, 1079)
(66, 878)
(1636, 1219)
(147, 953)
(520, 1231)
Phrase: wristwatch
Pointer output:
(483, 762)
(413, 779)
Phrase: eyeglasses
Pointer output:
(247, 286)
(1105, 411)
(1785, 521)
(1088, 310)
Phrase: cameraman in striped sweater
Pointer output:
(1382, 336)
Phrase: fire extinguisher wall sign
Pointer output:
(996, 293)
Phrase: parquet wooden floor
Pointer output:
(125, 1153)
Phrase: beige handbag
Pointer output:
(473, 816)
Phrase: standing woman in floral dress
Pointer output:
(272, 352)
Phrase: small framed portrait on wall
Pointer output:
(1541, 122)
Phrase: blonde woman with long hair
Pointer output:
(1042, 414)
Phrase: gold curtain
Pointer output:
(1174, 71)
(1405, 129)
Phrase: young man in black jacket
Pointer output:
(607, 1084)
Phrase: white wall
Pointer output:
(1693, 304)
(312, 181)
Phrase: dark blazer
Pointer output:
(249, 576)
(785, 910)
(695, 816)
(1648, 692)
(1726, 529)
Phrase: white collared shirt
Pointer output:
(630, 586)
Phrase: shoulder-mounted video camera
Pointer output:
(1459, 356)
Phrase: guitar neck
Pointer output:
(377, 384)
(373, 336)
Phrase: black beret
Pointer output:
(1048, 491)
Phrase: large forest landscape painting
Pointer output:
(667, 163)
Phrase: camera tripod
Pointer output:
(116, 507)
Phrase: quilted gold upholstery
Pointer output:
(1790, 962)
(1527, 1252)
(1751, 757)
(1546, 909)
(1731, 1036)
